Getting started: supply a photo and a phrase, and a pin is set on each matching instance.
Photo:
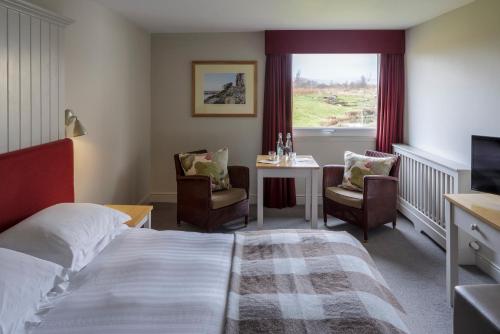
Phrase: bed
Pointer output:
(147, 281)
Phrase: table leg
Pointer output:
(308, 198)
(314, 196)
(451, 252)
(148, 221)
(260, 199)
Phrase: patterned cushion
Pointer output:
(358, 166)
(213, 164)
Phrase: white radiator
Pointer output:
(423, 179)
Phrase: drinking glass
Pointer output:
(272, 155)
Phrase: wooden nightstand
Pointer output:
(141, 214)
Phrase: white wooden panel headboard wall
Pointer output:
(31, 75)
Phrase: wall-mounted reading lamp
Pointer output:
(74, 127)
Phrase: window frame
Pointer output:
(335, 132)
(339, 131)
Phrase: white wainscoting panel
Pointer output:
(25, 80)
(36, 80)
(45, 80)
(31, 75)
(13, 80)
(3, 81)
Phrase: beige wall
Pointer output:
(108, 86)
(453, 80)
(453, 91)
(172, 127)
(174, 130)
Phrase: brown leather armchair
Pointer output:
(376, 205)
(198, 205)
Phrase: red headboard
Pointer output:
(34, 178)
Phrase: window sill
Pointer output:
(335, 132)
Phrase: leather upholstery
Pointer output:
(346, 197)
(379, 197)
(238, 177)
(224, 198)
(477, 309)
(194, 198)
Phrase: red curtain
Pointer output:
(391, 93)
(335, 41)
(278, 193)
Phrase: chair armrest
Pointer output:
(380, 199)
(380, 191)
(239, 177)
(194, 191)
(332, 176)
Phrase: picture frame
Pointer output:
(224, 88)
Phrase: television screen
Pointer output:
(485, 164)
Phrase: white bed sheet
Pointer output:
(148, 281)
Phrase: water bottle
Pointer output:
(279, 146)
(288, 145)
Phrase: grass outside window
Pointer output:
(335, 91)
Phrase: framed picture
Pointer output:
(224, 88)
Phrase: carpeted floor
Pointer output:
(412, 265)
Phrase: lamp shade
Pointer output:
(78, 129)
(74, 127)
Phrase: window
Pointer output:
(335, 91)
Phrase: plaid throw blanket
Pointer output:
(308, 281)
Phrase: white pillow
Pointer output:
(24, 282)
(69, 234)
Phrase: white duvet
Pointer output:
(148, 281)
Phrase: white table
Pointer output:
(303, 166)
(478, 215)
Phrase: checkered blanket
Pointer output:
(308, 281)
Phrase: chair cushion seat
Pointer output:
(346, 197)
(224, 198)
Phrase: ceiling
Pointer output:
(257, 15)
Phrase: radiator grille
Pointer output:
(424, 179)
